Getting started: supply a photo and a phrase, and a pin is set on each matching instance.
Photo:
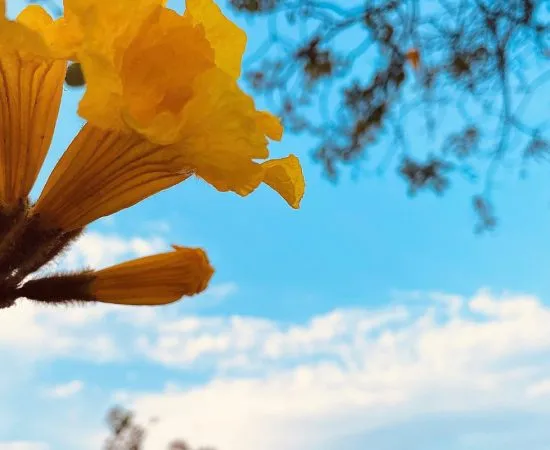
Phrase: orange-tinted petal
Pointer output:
(271, 125)
(59, 37)
(143, 79)
(154, 280)
(106, 29)
(226, 38)
(285, 176)
(18, 37)
(108, 26)
(221, 137)
(35, 33)
(103, 172)
(30, 94)
(159, 68)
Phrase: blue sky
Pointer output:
(364, 318)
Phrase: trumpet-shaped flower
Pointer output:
(31, 83)
(162, 104)
(151, 280)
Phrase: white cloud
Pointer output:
(33, 332)
(349, 371)
(184, 341)
(539, 389)
(64, 390)
(121, 397)
(23, 445)
(98, 250)
(275, 385)
(88, 332)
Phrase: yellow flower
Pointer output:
(162, 104)
(165, 85)
(31, 83)
(151, 280)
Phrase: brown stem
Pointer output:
(44, 254)
(28, 240)
(12, 226)
(59, 288)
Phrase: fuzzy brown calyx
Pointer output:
(56, 289)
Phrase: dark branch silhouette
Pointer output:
(126, 434)
(434, 88)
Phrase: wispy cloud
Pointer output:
(97, 250)
(64, 390)
(92, 332)
(269, 384)
(23, 445)
(352, 371)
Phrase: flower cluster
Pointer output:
(161, 104)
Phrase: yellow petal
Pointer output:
(271, 125)
(145, 83)
(103, 172)
(35, 18)
(158, 72)
(106, 29)
(285, 176)
(221, 137)
(20, 36)
(224, 135)
(35, 33)
(60, 37)
(109, 26)
(227, 39)
(30, 93)
(154, 280)
(102, 102)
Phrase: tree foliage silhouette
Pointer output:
(126, 434)
(433, 88)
